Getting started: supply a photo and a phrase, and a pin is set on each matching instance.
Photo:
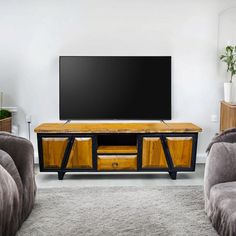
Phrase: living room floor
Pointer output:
(49, 180)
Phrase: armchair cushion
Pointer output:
(220, 166)
(10, 204)
(222, 208)
(8, 164)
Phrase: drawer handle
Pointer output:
(114, 164)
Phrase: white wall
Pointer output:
(33, 34)
(227, 36)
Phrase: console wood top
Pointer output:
(117, 128)
(229, 104)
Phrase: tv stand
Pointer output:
(109, 147)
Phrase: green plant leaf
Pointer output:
(222, 56)
(230, 59)
(4, 114)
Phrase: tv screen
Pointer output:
(115, 87)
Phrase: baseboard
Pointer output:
(201, 158)
(36, 158)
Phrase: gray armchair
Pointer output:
(17, 183)
(220, 183)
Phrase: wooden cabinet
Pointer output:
(227, 116)
(138, 147)
(76, 152)
(168, 152)
(153, 155)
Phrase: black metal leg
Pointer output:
(173, 174)
(61, 175)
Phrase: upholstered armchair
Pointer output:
(220, 183)
(17, 183)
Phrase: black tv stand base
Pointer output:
(173, 175)
(61, 175)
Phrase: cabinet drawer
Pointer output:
(117, 162)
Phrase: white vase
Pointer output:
(228, 92)
(234, 92)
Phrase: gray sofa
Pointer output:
(17, 183)
(220, 183)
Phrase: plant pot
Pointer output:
(228, 92)
(234, 92)
(5, 124)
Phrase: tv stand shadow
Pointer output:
(120, 147)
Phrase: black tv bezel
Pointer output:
(115, 119)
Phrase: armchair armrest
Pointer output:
(22, 153)
(220, 165)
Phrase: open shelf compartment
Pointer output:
(117, 144)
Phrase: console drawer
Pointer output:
(117, 162)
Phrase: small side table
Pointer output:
(227, 115)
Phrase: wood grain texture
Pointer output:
(81, 154)
(6, 124)
(117, 162)
(117, 149)
(180, 150)
(227, 116)
(53, 151)
(116, 128)
(153, 155)
(183, 127)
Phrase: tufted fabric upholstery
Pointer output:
(220, 183)
(17, 183)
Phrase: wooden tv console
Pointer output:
(99, 147)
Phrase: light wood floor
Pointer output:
(49, 180)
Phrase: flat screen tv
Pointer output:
(115, 87)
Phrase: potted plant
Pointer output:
(5, 118)
(229, 57)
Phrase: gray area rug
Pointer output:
(119, 211)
